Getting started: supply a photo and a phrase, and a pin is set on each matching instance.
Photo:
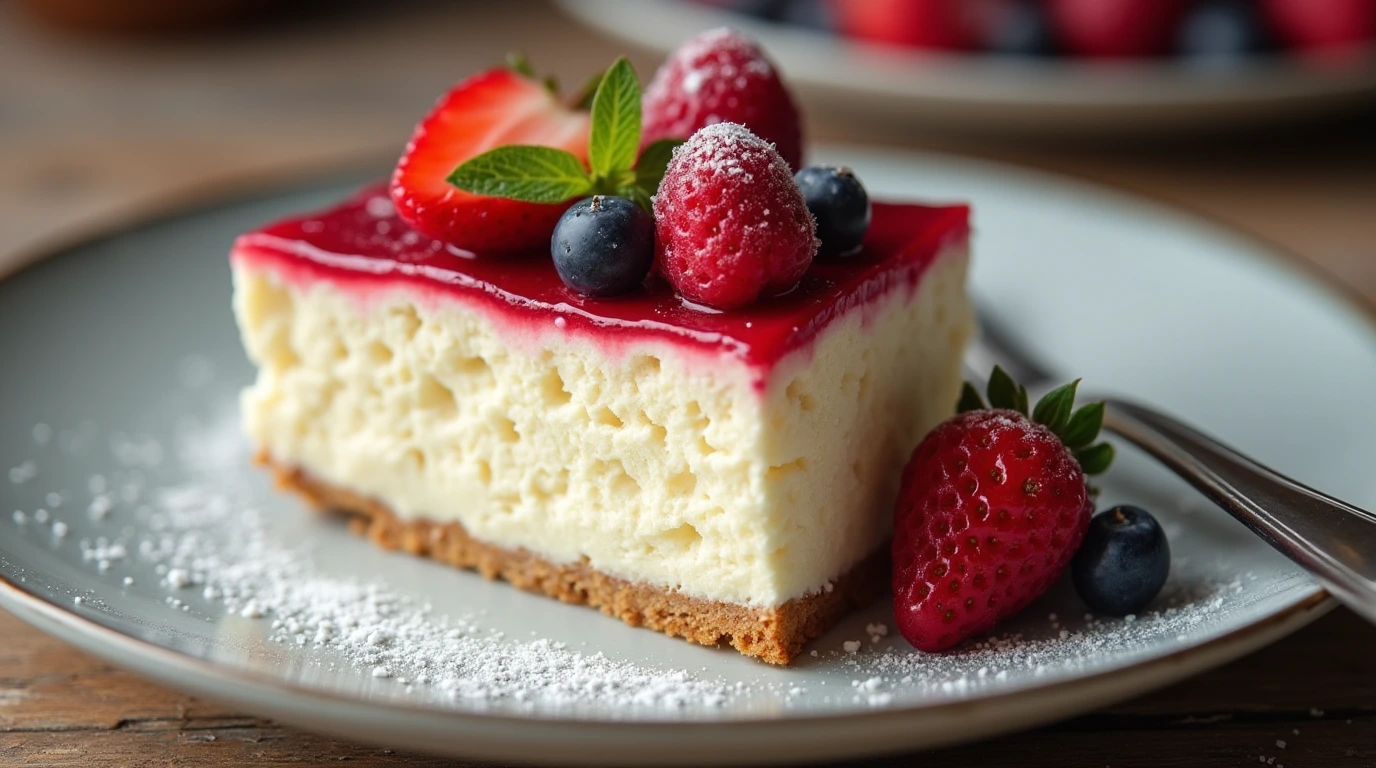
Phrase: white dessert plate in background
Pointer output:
(1005, 96)
(162, 549)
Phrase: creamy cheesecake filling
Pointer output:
(650, 463)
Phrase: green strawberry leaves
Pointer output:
(1083, 426)
(1053, 410)
(970, 399)
(517, 62)
(1005, 393)
(1077, 428)
(1095, 459)
(547, 175)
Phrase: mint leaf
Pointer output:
(585, 94)
(654, 161)
(637, 194)
(528, 173)
(615, 121)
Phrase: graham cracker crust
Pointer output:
(774, 635)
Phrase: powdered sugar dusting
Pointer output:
(721, 75)
(731, 223)
(190, 526)
(729, 148)
(713, 56)
(208, 542)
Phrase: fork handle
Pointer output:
(1333, 540)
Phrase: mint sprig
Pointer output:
(615, 133)
(536, 174)
(1077, 428)
(533, 174)
(654, 161)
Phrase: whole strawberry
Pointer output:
(992, 506)
(722, 76)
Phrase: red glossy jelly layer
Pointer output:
(361, 246)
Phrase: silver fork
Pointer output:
(1331, 539)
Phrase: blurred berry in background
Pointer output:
(1222, 31)
(1198, 30)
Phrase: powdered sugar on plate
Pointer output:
(182, 524)
(204, 542)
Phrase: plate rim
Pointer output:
(110, 644)
(1270, 78)
(956, 95)
(244, 187)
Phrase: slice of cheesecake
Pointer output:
(722, 477)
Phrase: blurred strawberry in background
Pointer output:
(1213, 30)
(944, 24)
(1324, 28)
(1115, 28)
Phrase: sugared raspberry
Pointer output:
(730, 223)
(722, 76)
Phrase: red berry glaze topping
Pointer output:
(730, 223)
(722, 76)
(362, 248)
(486, 111)
(992, 506)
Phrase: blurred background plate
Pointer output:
(944, 91)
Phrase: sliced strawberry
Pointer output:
(488, 110)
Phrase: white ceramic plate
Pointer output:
(991, 95)
(121, 370)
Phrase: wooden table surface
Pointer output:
(94, 130)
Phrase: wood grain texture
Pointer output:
(59, 707)
(93, 131)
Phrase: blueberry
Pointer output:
(603, 246)
(1220, 31)
(1021, 28)
(769, 10)
(1122, 563)
(840, 205)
